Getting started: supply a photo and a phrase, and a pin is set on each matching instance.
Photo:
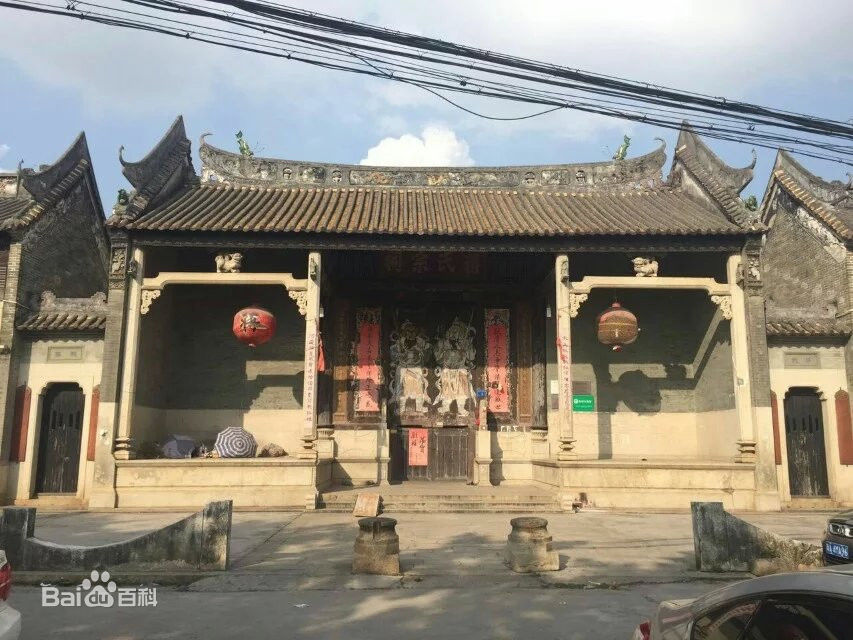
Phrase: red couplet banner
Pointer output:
(497, 359)
(367, 397)
(418, 447)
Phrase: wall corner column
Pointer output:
(124, 444)
(756, 444)
(102, 494)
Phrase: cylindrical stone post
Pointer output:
(529, 547)
(377, 547)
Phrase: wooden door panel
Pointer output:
(60, 439)
(805, 442)
(448, 455)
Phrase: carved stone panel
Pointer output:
(118, 266)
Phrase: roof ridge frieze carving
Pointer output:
(220, 166)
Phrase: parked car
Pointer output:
(809, 605)
(838, 541)
(10, 619)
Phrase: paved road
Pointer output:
(485, 611)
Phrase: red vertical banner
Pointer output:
(94, 405)
(497, 359)
(20, 426)
(368, 368)
(418, 447)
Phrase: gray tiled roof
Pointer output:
(454, 211)
(63, 321)
(11, 207)
(827, 327)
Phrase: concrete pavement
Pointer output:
(291, 578)
(486, 612)
(314, 549)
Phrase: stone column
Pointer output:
(756, 443)
(736, 312)
(124, 444)
(482, 444)
(309, 390)
(383, 444)
(563, 314)
(312, 340)
(103, 494)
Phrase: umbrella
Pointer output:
(235, 442)
(178, 447)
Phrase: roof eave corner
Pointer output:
(54, 182)
(40, 184)
(167, 168)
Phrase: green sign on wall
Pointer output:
(583, 403)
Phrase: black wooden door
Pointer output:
(805, 441)
(59, 439)
(448, 455)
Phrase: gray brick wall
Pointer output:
(64, 251)
(801, 278)
(654, 374)
(207, 367)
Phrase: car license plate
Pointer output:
(838, 550)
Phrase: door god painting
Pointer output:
(409, 351)
(454, 354)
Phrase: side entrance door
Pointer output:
(59, 440)
(805, 441)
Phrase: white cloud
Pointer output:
(438, 146)
(4, 149)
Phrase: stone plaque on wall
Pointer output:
(801, 360)
(64, 354)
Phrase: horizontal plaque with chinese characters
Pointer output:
(64, 354)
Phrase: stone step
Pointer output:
(453, 508)
(443, 498)
(448, 504)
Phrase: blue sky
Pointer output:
(125, 87)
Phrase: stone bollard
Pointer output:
(377, 547)
(529, 548)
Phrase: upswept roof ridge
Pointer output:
(164, 170)
(46, 187)
(722, 182)
(830, 202)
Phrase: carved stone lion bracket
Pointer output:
(148, 297)
(725, 304)
(575, 302)
(301, 299)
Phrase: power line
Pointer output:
(428, 70)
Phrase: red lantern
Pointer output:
(617, 327)
(253, 326)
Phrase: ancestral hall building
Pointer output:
(439, 324)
